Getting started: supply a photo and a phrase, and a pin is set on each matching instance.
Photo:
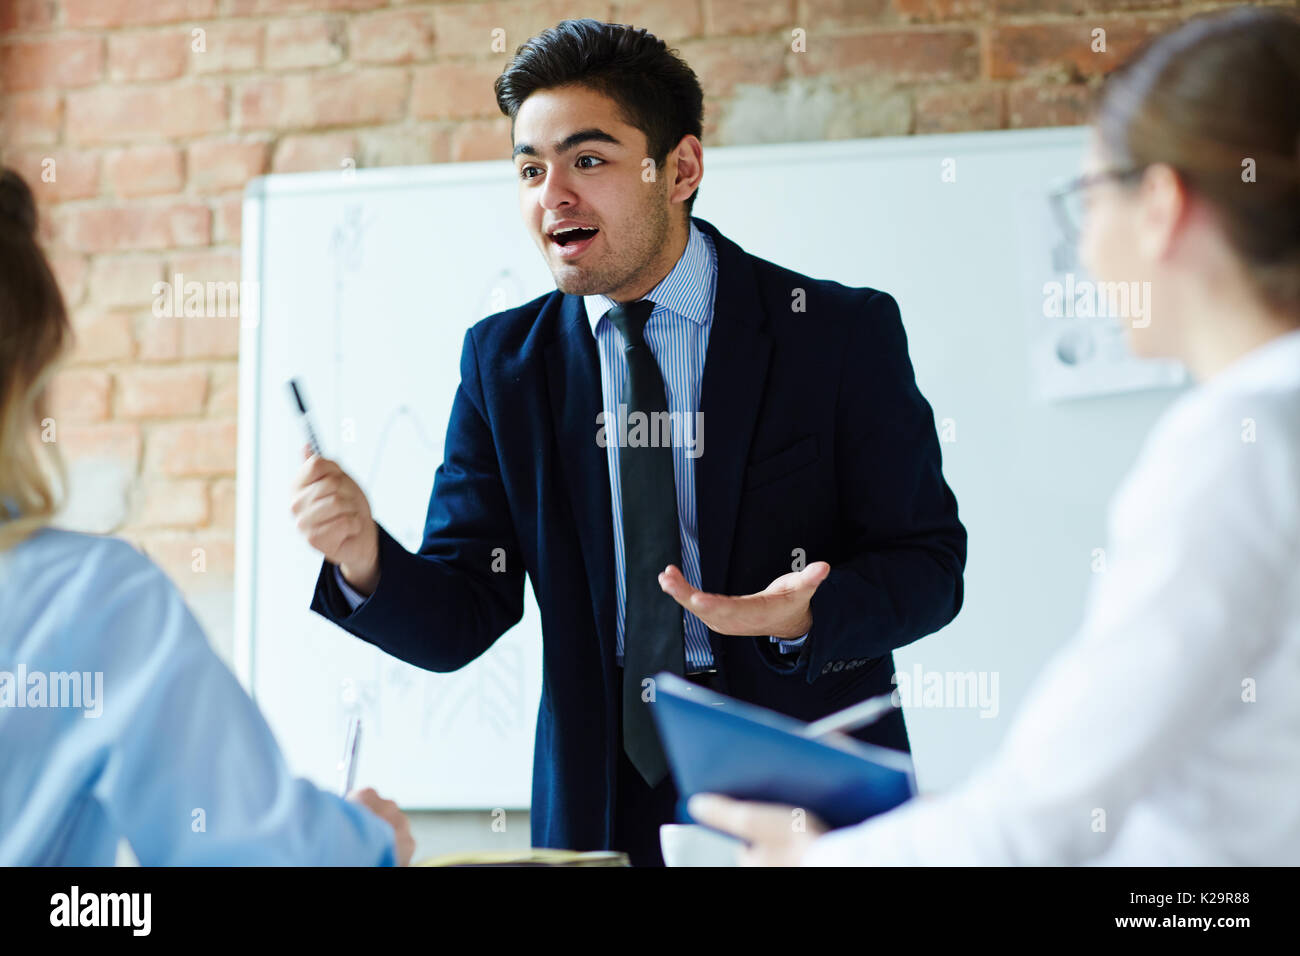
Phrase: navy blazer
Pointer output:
(816, 439)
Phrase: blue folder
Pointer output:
(717, 744)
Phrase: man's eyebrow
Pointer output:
(570, 141)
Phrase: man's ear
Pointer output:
(686, 165)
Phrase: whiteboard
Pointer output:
(367, 281)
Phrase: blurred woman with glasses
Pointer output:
(1168, 730)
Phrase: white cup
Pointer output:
(689, 844)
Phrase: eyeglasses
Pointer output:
(1067, 202)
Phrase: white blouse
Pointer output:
(1167, 731)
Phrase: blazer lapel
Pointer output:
(735, 372)
(573, 381)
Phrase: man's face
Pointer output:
(580, 164)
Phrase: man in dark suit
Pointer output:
(778, 555)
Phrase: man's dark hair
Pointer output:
(654, 88)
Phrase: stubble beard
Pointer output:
(620, 267)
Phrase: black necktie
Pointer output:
(653, 635)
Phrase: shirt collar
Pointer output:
(1271, 364)
(679, 291)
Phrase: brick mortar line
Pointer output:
(349, 16)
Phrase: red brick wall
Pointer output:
(152, 142)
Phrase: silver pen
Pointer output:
(851, 718)
(351, 746)
(304, 416)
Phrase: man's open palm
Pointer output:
(780, 610)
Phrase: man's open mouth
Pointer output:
(571, 235)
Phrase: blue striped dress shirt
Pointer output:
(678, 335)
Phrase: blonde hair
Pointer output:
(34, 333)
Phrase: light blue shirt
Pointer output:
(152, 738)
(678, 335)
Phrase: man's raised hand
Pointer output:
(334, 515)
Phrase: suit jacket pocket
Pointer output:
(854, 681)
(788, 460)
